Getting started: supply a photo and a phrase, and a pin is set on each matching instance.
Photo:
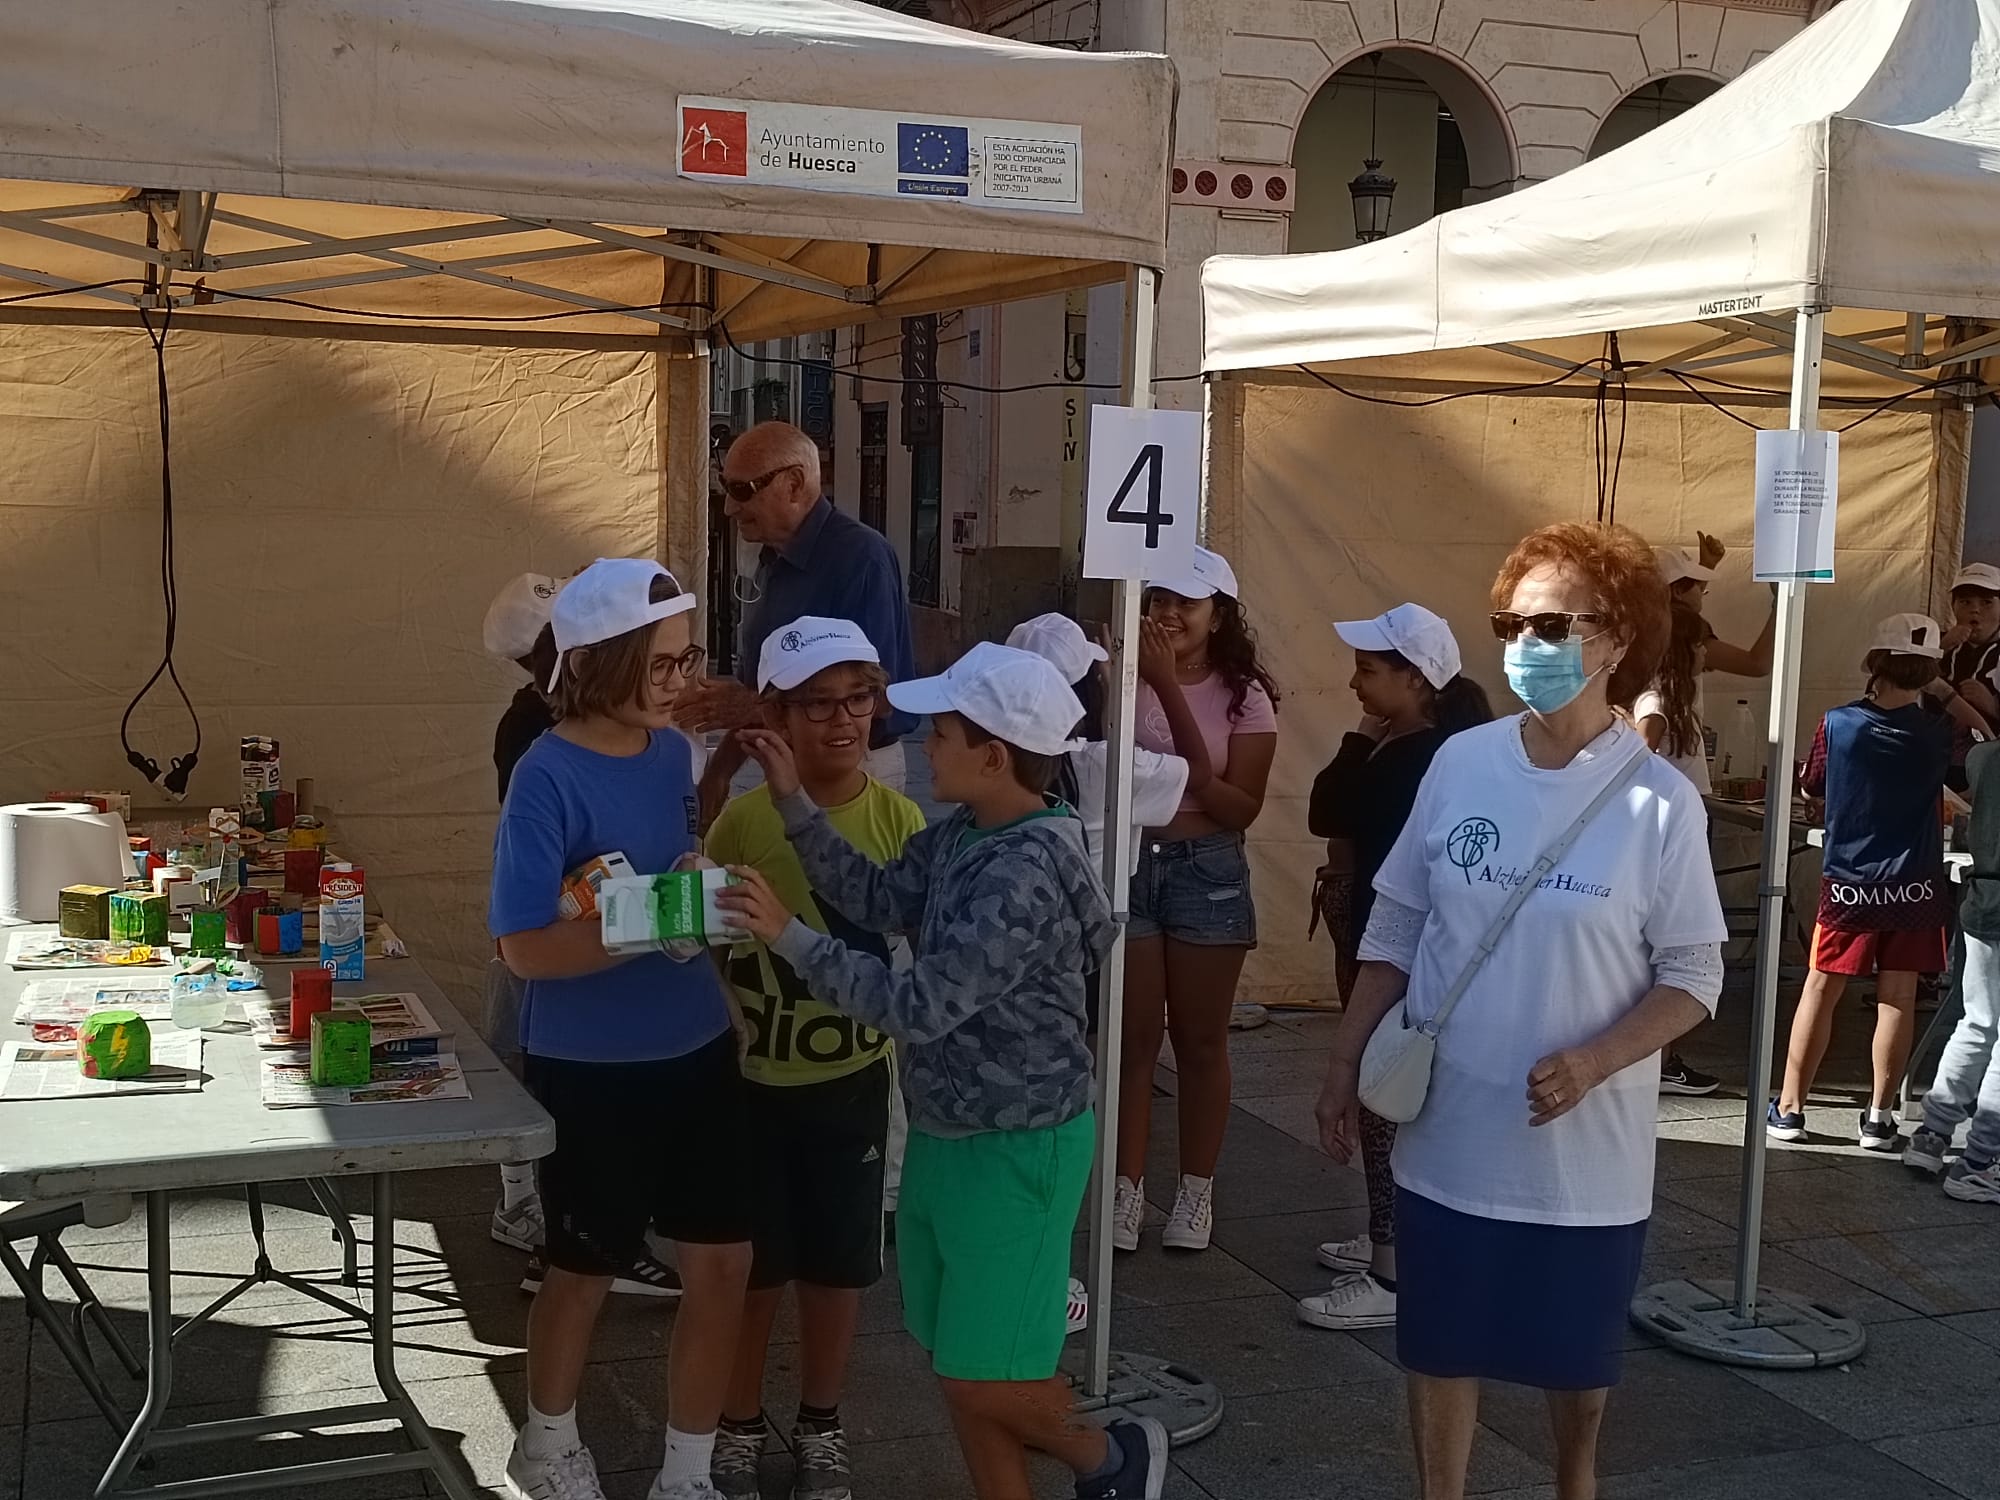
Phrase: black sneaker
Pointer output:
(645, 1277)
(1879, 1135)
(1676, 1077)
(1784, 1127)
(1143, 1474)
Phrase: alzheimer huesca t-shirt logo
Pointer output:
(1470, 842)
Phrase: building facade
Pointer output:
(962, 436)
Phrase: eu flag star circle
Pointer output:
(931, 136)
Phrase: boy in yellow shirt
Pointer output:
(820, 1081)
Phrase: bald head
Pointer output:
(770, 479)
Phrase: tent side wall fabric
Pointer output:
(344, 514)
(1334, 508)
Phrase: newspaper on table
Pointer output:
(286, 1082)
(31, 949)
(391, 1018)
(65, 1002)
(48, 1070)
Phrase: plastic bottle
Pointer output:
(1743, 745)
(199, 999)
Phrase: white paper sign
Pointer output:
(1798, 483)
(881, 153)
(1143, 494)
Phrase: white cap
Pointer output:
(1977, 576)
(1909, 635)
(1678, 564)
(1412, 632)
(608, 598)
(1212, 575)
(808, 645)
(1015, 695)
(515, 618)
(1059, 641)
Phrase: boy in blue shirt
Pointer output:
(635, 1057)
(1007, 916)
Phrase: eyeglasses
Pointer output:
(821, 710)
(686, 664)
(1552, 626)
(743, 491)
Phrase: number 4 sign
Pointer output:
(1144, 489)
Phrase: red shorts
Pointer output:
(1922, 950)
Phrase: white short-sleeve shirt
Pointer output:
(1576, 958)
(1158, 782)
(1694, 767)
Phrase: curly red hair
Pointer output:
(1622, 572)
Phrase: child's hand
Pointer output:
(1156, 655)
(781, 771)
(753, 906)
(1710, 551)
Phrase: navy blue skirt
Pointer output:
(1542, 1305)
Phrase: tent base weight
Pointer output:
(1788, 1333)
(1139, 1385)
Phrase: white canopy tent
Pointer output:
(1855, 171)
(619, 176)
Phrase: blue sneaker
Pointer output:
(1781, 1127)
(1143, 1473)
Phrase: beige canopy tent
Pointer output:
(1626, 321)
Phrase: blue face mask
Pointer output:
(1545, 675)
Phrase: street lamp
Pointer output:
(1374, 190)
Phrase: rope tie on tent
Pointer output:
(182, 766)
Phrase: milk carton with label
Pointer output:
(675, 911)
(342, 943)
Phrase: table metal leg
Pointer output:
(159, 1346)
(69, 1344)
(88, 1306)
(326, 1193)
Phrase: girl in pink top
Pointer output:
(1192, 918)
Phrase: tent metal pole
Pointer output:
(1141, 291)
(1773, 882)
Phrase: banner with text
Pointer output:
(980, 163)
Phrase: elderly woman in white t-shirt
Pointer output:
(1525, 1184)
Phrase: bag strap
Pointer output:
(1551, 857)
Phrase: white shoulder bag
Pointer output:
(1396, 1064)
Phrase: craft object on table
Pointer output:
(114, 1044)
(340, 1049)
(84, 911)
(678, 907)
(312, 993)
(138, 917)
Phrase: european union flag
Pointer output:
(932, 150)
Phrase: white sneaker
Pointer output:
(521, 1227)
(1193, 1218)
(1078, 1312)
(568, 1476)
(1353, 1302)
(1357, 1254)
(1128, 1212)
(1247, 1016)
(697, 1488)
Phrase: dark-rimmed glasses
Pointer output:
(743, 491)
(821, 710)
(686, 665)
(1552, 625)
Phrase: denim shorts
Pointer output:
(1195, 891)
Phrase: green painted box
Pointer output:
(340, 1049)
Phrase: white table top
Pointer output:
(223, 1135)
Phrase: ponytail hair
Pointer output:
(1461, 704)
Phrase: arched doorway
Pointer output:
(1649, 106)
(1435, 129)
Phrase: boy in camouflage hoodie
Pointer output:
(1006, 916)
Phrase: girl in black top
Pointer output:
(1413, 698)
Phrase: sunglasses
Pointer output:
(1552, 626)
(821, 710)
(686, 665)
(743, 491)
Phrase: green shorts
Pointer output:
(982, 1246)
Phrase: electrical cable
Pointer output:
(175, 782)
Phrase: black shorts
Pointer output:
(643, 1143)
(818, 1151)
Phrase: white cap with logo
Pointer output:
(1211, 575)
(810, 644)
(610, 597)
(1014, 695)
(1679, 564)
(515, 618)
(1983, 576)
(1059, 641)
(1909, 635)
(1413, 633)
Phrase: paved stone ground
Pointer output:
(1309, 1413)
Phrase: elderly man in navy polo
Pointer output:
(816, 561)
